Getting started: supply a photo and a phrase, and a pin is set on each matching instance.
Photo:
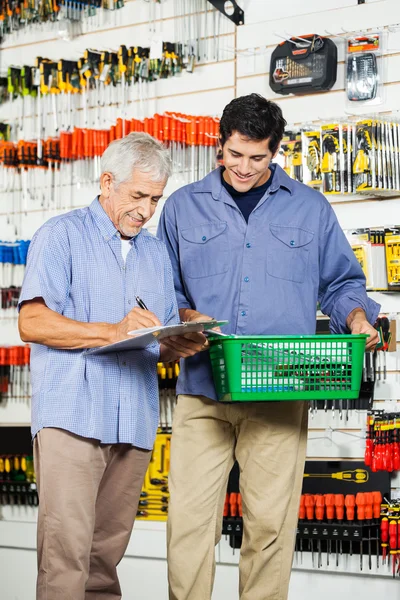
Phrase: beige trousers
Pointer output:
(88, 498)
(269, 442)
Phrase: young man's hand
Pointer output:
(190, 343)
(357, 323)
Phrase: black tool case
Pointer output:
(303, 65)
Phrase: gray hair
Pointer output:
(136, 151)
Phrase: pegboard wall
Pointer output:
(235, 61)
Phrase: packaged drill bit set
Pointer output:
(364, 78)
(369, 248)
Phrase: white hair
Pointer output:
(136, 151)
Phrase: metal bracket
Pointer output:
(237, 16)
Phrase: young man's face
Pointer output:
(132, 203)
(246, 162)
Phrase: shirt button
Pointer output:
(124, 364)
(248, 245)
(204, 238)
(243, 313)
(129, 301)
(246, 279)
(292, 242)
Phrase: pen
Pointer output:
(141, 304)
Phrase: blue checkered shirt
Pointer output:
(75, 264)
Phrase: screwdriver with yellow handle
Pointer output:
(355, 476)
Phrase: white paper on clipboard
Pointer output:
(144, 337)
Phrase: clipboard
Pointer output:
(144, 337)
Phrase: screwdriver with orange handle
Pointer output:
(369, 513)
(319, 515)
(233, 504)
(350, 503)
(330, 515)
(339, 510)
(309, 503)
(360, 502)
(302, 516)
(376, 513)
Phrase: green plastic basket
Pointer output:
(306, 367)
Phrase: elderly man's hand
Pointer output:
(357, 323)
(137, 318)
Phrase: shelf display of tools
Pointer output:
(346, 158)
(14, 373)
(382, 446)
(17, 481)
(20, 15)
(42, 175)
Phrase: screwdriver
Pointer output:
(339, 506)
(319, 515)
(384, 537)
(368, 497)
(393, 544)
(349, 503)
(309, 503)
(330, 515)
(376, 507)
(360, 502)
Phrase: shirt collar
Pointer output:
(104, 223)
(212, 182)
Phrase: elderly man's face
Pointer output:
(132, 203)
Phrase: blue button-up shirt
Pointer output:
(266, 276)
(75, 264)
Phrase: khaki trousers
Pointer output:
(269, 442)
(88, 498)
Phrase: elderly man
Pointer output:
(94, 417)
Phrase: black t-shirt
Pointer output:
(247, 201)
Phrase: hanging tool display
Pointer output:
(364, 60)
(154, 498)
(339, 514)
(390, 534)
(14, 373)
(17, 481)
(303, 65)
(378, 252)
(290, 154)
(382, 447)
(392, 246)
(167, 378)
(18, 15)
(12, 263)
(360, 157)
(73, 158)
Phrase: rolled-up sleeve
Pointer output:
(342, 281)
(48, 268)
(168, 232)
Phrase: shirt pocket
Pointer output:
(205, 250)
(288, 252)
